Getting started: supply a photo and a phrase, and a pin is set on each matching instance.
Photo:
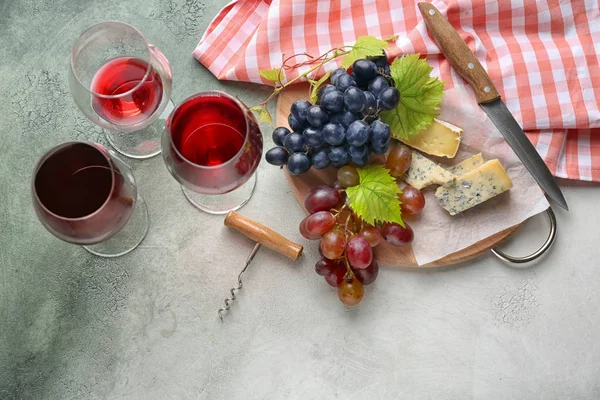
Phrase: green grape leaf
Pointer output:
(316, 86)
(271, 74)
(365, 46)
(420, 96)
(263, 114)
(375, 198)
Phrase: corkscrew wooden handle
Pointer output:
(263, 235)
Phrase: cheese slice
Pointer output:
(467, 165)
(424, 172)
(474, 187)
(438, 139)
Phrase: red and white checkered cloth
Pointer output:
(542, 55)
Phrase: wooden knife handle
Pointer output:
(263, 235)
(458, 53)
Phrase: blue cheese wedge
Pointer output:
(474, 187)
(439, 139)
(424, 172)
(467, 165)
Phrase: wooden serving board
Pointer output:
(399, 256)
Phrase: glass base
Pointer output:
(222, 203)
(141, 144)
(128, 238)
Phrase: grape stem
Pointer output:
(349, 272)
(324, 59)
(338, 212)
(347, 222)
(337, 53)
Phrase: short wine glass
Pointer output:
(123, 84)
(212, 145)
(84, 194)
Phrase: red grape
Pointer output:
(321, 198)
(367, 275)
(337, 275)
(338, 186)
(320, 223)
(397, 235)
(372, 235)
(333, 244)
(325, 266)
(304, 232)
(412, 199)
(378, 159)
(359, 252)
(399, 159)
(351, 291)
(348, 176)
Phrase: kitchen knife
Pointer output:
(466, 64)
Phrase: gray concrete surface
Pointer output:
(144, 326)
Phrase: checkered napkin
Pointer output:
(542, 55)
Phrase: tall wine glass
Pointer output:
(212, 145)
(123, 84)
(84, 194)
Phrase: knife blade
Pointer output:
(466, 64)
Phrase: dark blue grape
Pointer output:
(279, 135)
(343, 82)
(357, 133)
(299, 109)
(332, 101)
(324, 89)
(313, 137)
(377, 85)
(382, 64)
(380, 133)
(338, 155)
(298, 163)
(380, 61)
(361, 83)
(294, 142)
(360, 156)
(336, 74)
(335, 118)
(277, 156)
(364, 70)
(371, 107)
(334, 134)
(316, 116)
(348, 117)
(357, 151)
(388, 99)
(355, 99)
(379, 149)
(296, 125)
(320, 159)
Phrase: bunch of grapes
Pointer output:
(343, 126)
(347, 243)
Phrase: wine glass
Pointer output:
(123, 84)
(84, 194)
(212, 145)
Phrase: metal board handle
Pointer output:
(549, 241)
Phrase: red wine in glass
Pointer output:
(140, 95)
(212, 143)
(80, 195)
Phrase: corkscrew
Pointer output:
(263, 236)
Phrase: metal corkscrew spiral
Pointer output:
(231, 299)
(262, 236)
